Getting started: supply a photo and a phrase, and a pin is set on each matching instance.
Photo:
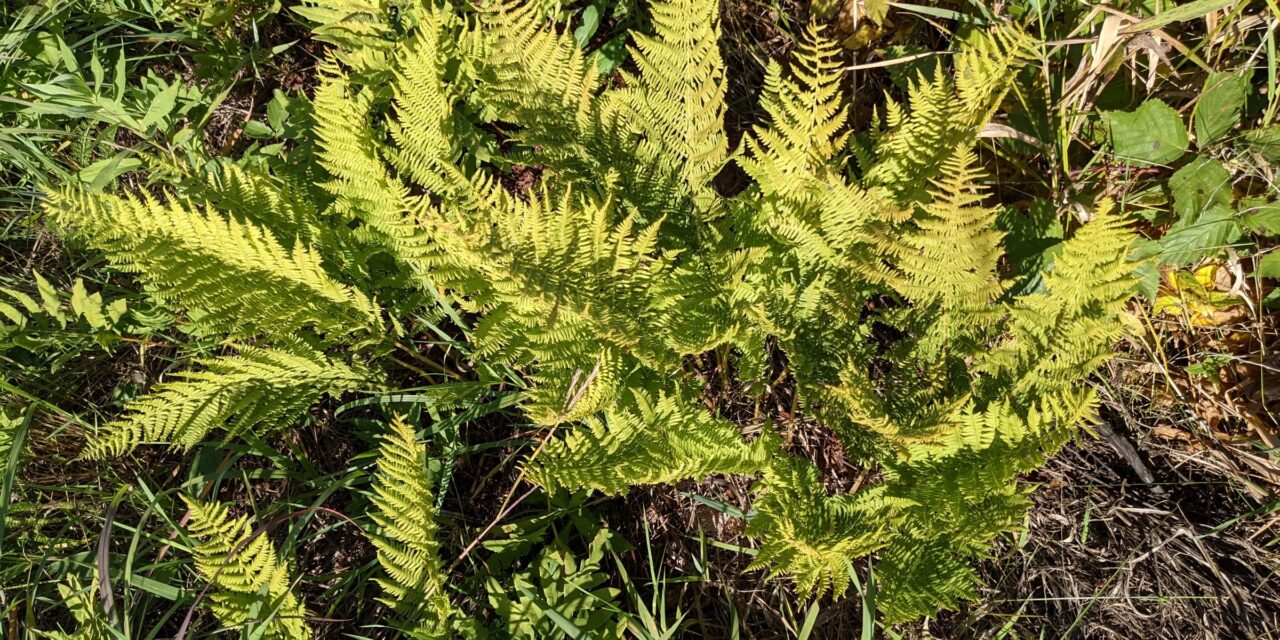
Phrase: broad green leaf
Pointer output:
(161, 105)
(87, 305)
(117, 309)
(611, 54)
(1153, 134)
(1207, 235)
(25, 300)
(1203, 183)
(1147, 254)
(95, 67)
(49, 297)
(1269, 265)
(590, 23)
(102, 172)
(256, 129)
(1219, 106)
(278, 111)
(12, 313)
(1265, 142)
(1260, 216)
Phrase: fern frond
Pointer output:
(807, 117)
(361, 29)
(251, 588)
(944, 113)
(253, 196)
(540, 79)
(654, 440)
(427, 129)
(811, 535)
(954, 229)
(236, 276)
(257, 388)
(407, 549)
(362, 188)
(916, 576)
(677, 95)
(1059, 336)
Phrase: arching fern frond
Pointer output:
(259, 389)
(652, 440)
(1058, 335)
(811, 535)
(954, 229)
(250, 586)
(408, 552)
(361, 29)
(677, 96)
(943, 113)
(235, 276)
(254, 196)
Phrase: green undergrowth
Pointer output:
(507, 282)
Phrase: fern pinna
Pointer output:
(870, 265)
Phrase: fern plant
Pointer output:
(251, 585)
(869, 265)
(407, 547)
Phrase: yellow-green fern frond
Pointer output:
(252, 195)
(426, 128)
(1058, 336)
(540, 79)
(234, 276)
(680, 88)
(652, 441)
(250, 588)
(362, 188)
(954, 229)
(807, 116)
(811, 535)
(917, 576)
(361, 30)
(944, 113)
(257, 388)
(404, 508)
(551, 269)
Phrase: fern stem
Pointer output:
(414, 368)
(413, 353)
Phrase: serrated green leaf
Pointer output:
(1265, 142)
(1219, 106)
(1153, 134)
(1203, 183)
(1206, 236)
(1269, 265)
(1260, 216)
